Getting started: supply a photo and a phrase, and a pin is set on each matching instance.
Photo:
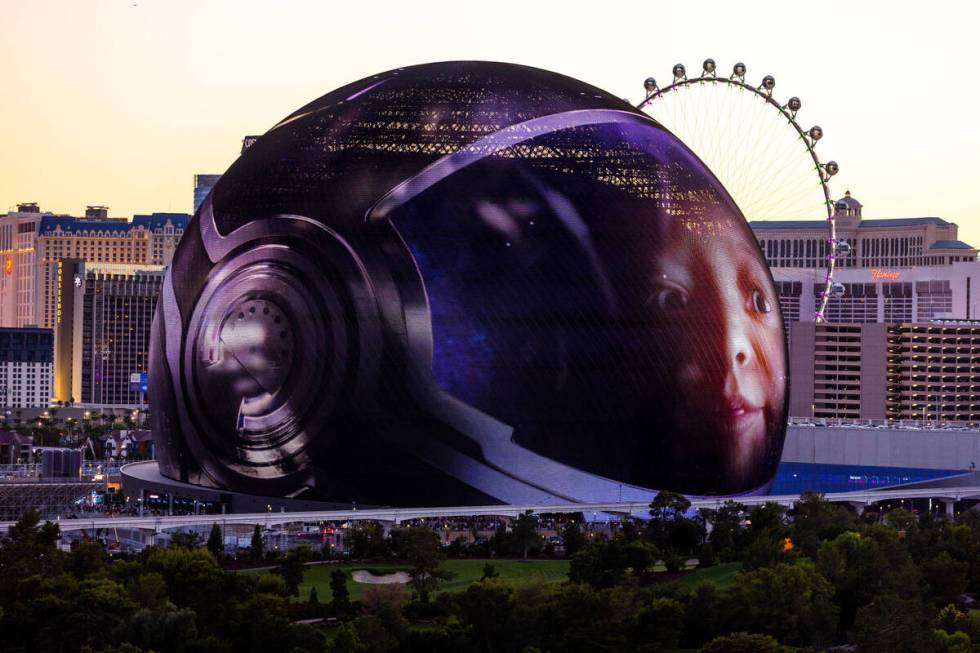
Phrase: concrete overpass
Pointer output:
(156, 524)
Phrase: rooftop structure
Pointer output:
(144, 240)
(202, 186)
(891, 242)
(894, 270)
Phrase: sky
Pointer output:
(120, 103)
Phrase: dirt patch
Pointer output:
(366, 577)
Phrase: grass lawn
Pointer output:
(721, 575)
(466, 572)
(512, 571)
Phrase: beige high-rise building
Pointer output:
(146, 240)
(32, 243)
(901, 339)
(874, 371)
(18, 273)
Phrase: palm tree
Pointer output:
(70, 424)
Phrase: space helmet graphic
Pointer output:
(466, 283)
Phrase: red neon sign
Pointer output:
(885, 274)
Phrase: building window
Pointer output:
(858, 304)
(935, 299)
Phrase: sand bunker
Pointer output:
(364, 576)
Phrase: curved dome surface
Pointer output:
(469, 282)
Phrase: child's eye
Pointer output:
(759, 303)
(670, 299)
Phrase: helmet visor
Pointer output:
(596, 289)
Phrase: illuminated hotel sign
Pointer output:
(58, 305)
(885, 274)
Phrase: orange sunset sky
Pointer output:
(121, 102)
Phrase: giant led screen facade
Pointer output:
(469, 283)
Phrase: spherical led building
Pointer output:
(465, 283)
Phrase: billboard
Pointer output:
(468, 283)
(139, 382)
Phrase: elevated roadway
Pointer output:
(948, 495)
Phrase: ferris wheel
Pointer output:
(772, 171)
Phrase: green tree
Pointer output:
(293, 567)
(339, 593)
(707, 556)
(502, 542)
(383, 625)
(259, 622)
(685, 536)
(765, 551)
(900, 519)
(98, 608)
(950, 619)
(420, 548)
(791, 602)
(257, 548)
(271, 584)
(29, 549)
(660, 624)
(573, 538)
(525, 532)
(866, 565)
(487, 608)
(945, 577)
(744, 643)
(666, 510)
(958, 642)
(639, 556)
(590, 620)
(704, 614)
(148, 590)
(346, 640)
(727, 530)
(815, 519)
(768, 520)
(457, 548)
(86, 561)
(368, 541)
(891, 624)
(194, 579)
(185, 540)
(169, 629)
(766, 537)
(216, 544)
(603, 564)
(489, 571)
